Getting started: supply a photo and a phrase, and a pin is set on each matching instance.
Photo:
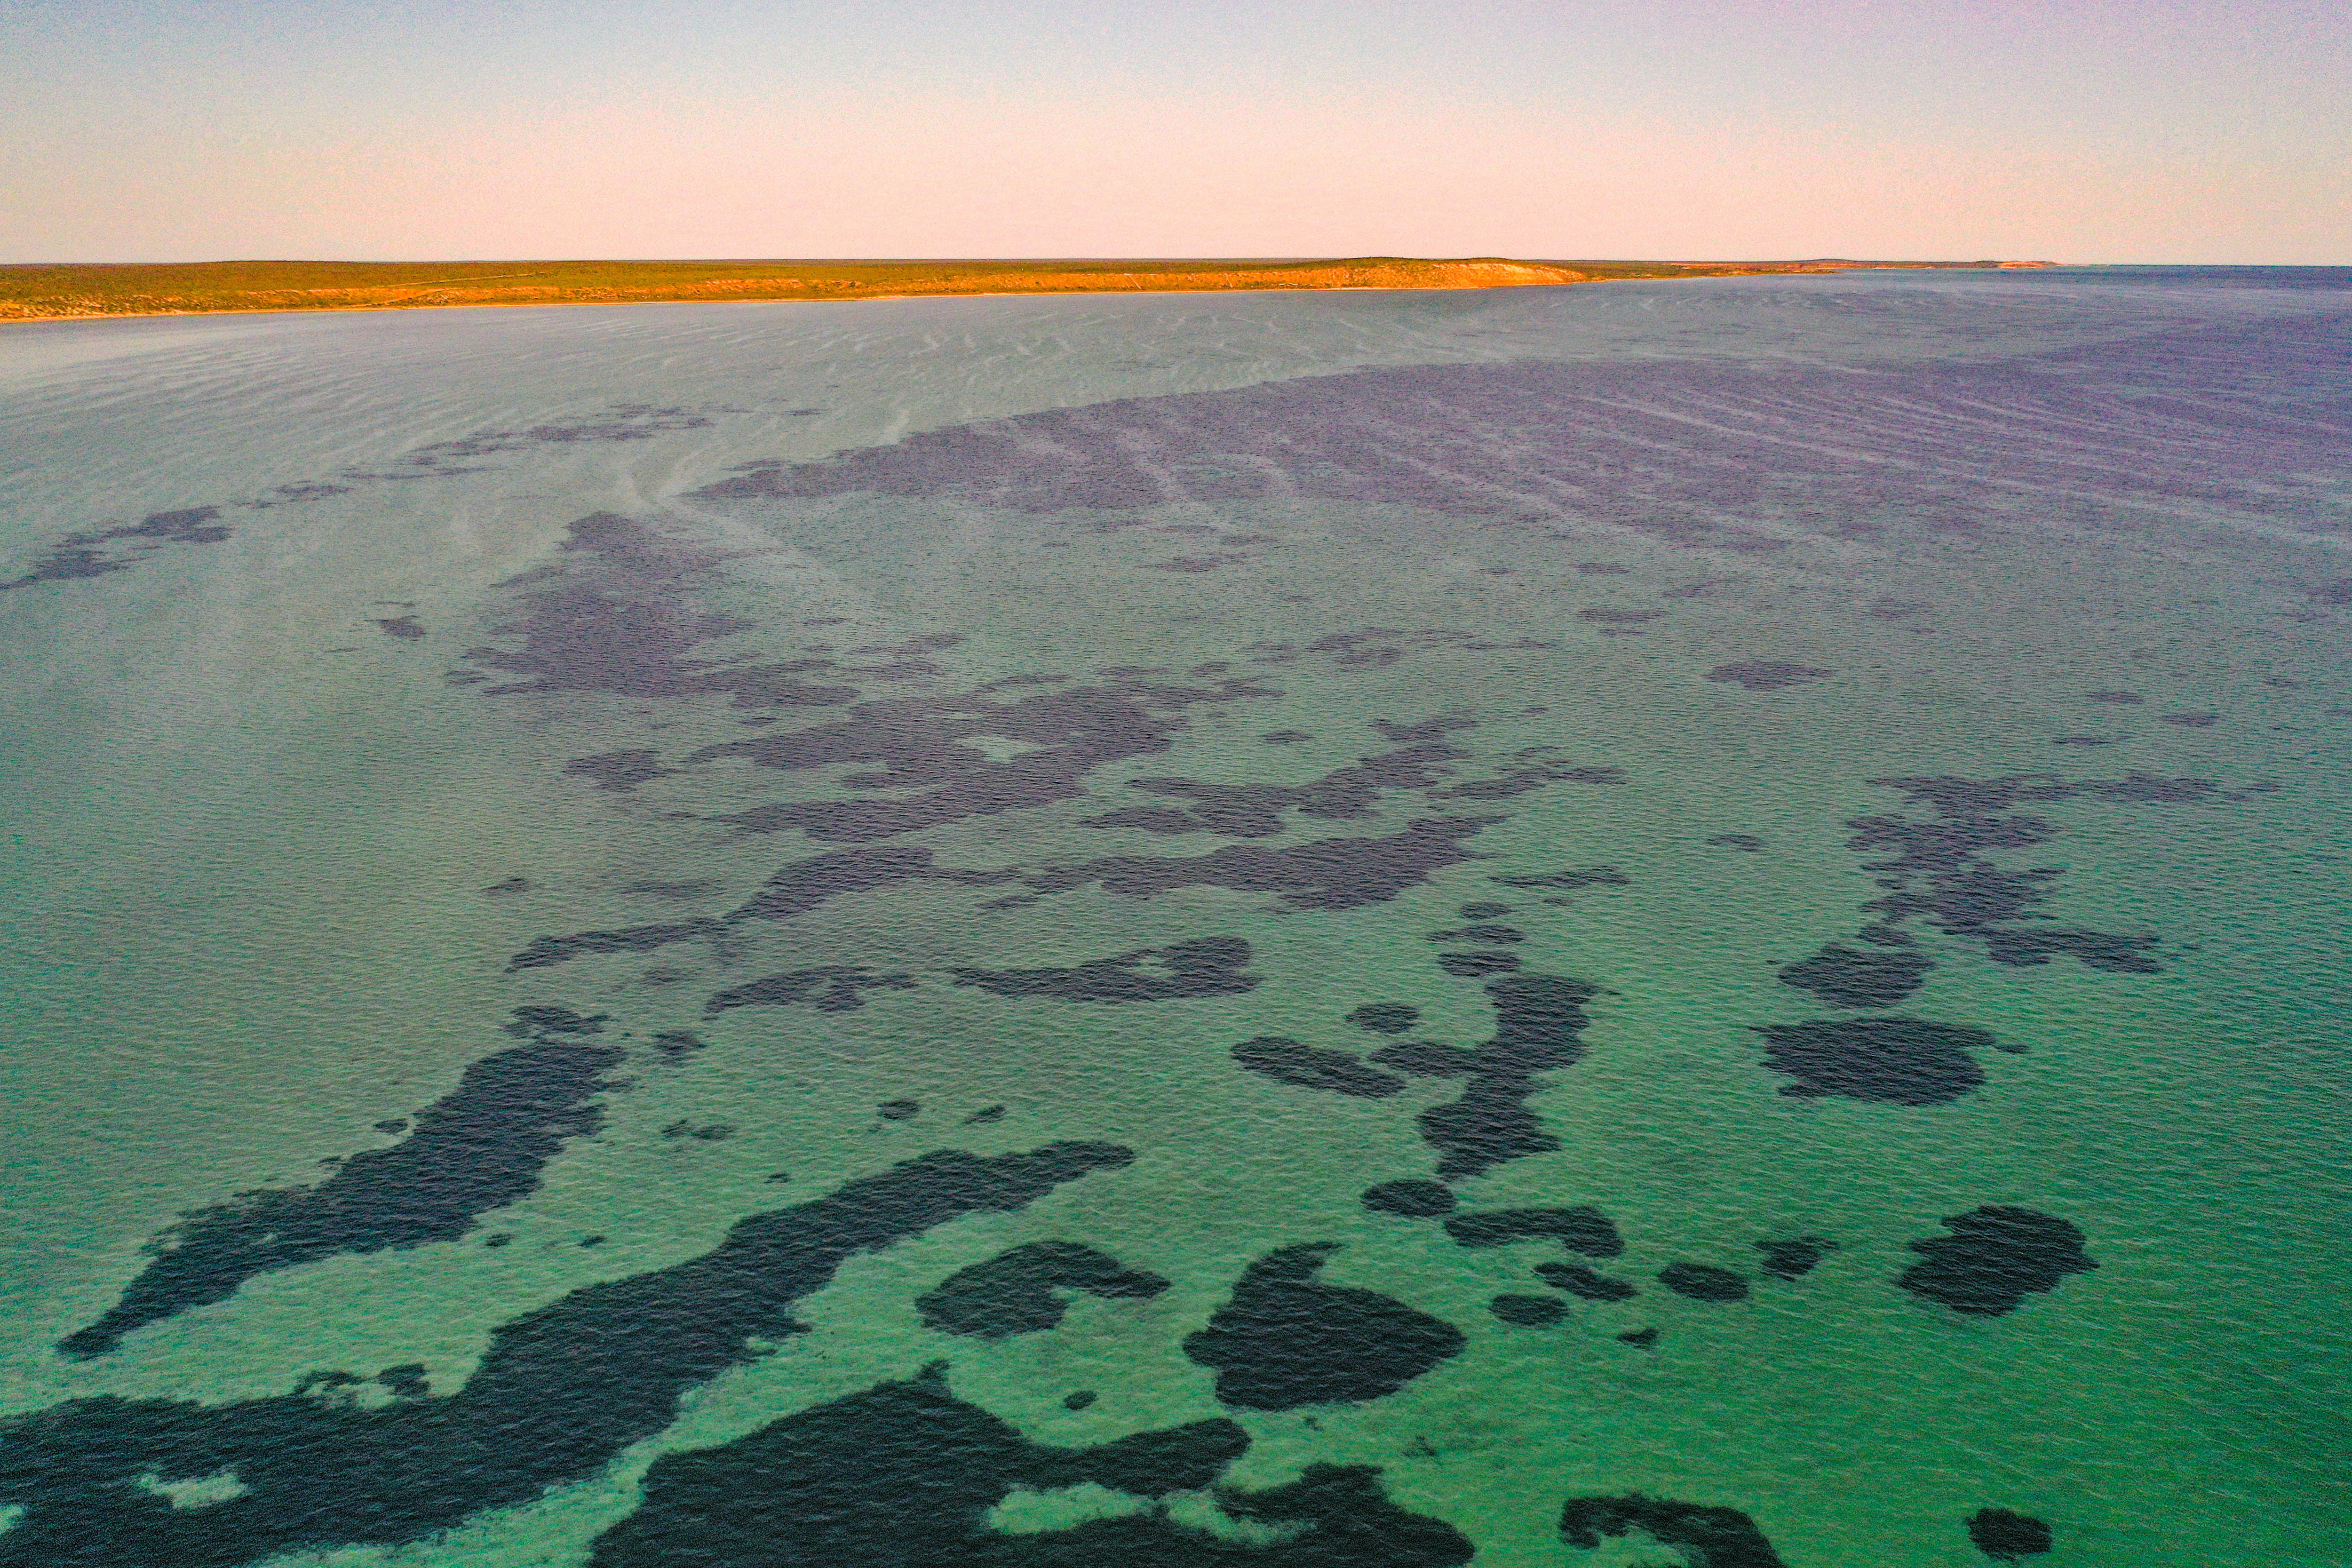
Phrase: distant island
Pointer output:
(35, 292)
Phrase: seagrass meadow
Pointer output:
(1696, 922)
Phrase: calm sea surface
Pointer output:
(1696, 923)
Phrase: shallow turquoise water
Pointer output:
(375, 676)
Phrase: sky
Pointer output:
(2087, 131)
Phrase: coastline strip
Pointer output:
(81, 291)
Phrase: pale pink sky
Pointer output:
(142, 130)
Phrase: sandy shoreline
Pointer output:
(1454, 277)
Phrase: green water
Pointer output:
(268, 863)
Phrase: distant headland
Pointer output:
(40, 291)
